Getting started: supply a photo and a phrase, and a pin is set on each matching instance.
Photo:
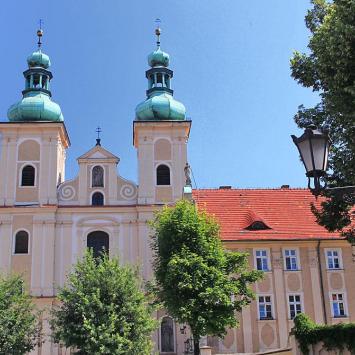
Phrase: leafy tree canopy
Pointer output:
(329, 69)
(19, 330)
(102, 310)
(197, 281)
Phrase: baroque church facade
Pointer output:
(47, 222)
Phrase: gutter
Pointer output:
(321, 282)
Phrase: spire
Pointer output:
(36, 104)
(160, 104)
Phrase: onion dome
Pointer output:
(36, 103)
(38, 59)
(158, 58)
(160, 104)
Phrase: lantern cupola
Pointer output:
(160, 103)
(36, 103)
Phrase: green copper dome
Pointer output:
(158, 58)
(38, 59)
(35, 106)
(160, 104)
(36, 103)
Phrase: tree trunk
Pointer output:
(196, 345)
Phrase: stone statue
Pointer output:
(187, 171)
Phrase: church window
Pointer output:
(167, 333)
(98, 242)
(97, 199)
(21, 242)
(163, 175)
(97, 176)
(28, 176)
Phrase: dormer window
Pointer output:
(257, 226)
(97, 176)
(253, 222)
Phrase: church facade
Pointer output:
(47, 222)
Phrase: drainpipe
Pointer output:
(321, 282)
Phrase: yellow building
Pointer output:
(46, 221)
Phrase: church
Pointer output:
(47, 222)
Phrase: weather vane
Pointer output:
(40, 33)
(158, 31)
(98, 139)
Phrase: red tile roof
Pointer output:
(285, 211)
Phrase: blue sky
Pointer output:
(231, 70)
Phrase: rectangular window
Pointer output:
(261, 260)
(333, 259)
(294, 305)
(338, 305)
(291, 262)
(265, 307)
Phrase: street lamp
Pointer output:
(313, 147)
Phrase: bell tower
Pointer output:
(34, 141)
(161, 132)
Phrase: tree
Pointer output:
(19, 328)
(197, 281)
(329, 69)
(102, 309)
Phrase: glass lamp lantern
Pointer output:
(313, 147)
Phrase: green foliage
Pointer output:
(19, 330)
(338, 336)
(329, 69)
(103, 310)
(195, 276)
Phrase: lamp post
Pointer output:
(313, 147)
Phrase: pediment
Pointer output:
(98, 153)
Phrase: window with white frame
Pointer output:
(261, 260)
(294, 305)
(265, 307)
(333, 259)
(338, 304)
(291, 262)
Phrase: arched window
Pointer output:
(97, 176)
(163, 175)
(28, 176)
(21, 242)
(167, 335)
(97, 199)
(98, 241)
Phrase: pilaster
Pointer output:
(281, 307)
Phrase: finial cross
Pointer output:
(40, 33)
(158, 31)
(98, 139)
(98, 131)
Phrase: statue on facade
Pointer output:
(187, 171)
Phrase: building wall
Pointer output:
(58, 238)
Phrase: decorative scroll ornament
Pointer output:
(66, 192)
(128, 192)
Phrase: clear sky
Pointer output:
(231, 70)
